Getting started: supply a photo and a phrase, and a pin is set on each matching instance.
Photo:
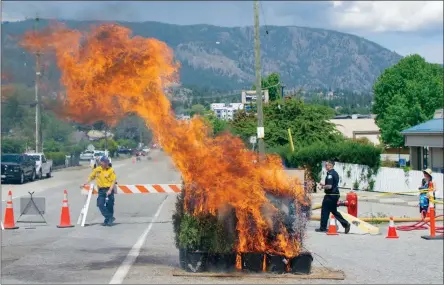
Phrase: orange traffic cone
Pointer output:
(392, 230)
(9, 223)
(65, 220)
(332, 227)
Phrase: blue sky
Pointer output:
(402, 26)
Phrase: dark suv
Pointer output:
(17, 167)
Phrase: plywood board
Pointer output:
(316, 273)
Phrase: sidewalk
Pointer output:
(377, 197)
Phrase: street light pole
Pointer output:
(257, 55)
(38, 99)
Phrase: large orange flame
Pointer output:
(107, 73)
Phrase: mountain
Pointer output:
(223, 58)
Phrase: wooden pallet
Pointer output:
(316, 273)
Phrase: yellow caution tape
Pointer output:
(436, 201)
(385, 194)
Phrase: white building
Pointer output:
(183, 117)
(226, 112)
(249, 97)
(357, 126)
(214, 106)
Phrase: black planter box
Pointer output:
(301, 264)
(277, 264)
(252, 261)
(196, 261)
(221, 262)
(182, 258)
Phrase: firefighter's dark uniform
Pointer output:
(330, 202)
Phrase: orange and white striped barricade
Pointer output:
(88, 191)
(119, 189)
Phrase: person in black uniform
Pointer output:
(330, 202)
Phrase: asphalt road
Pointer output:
(140, 249)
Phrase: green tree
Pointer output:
(110, 143)
(127, 143)
(11, 145)
(308, 123)
(217, 125)
(407, 94)
(133, 128)
(272, 83)
(55, 129)
(244, 124)
(197, 109)
(18, 114)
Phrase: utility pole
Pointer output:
(38, 99)
(257, 56)
(140, 131)
(106, 138)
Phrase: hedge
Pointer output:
(58, 158)
(353, 152)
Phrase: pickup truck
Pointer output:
(17, 167)
(43, 166)
(87, 155)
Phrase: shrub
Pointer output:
(189, 235)
(371, 185)
(369, 174)
(356, 185)
(388, 163)
(58, 158)
(178, 215)
(202, 232)
(311, 157)
(11, 145)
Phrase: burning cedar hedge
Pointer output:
(208, 242)
(129, 74)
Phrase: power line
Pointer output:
(263, 16)
(233, 94)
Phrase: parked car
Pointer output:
(97, 155)
(43, 166)
(17, 167)
(123, 150)
(87, 155)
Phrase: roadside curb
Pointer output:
(398, 201)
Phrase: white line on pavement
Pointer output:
(124, 268)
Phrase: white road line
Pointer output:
(124, 268)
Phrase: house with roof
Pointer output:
(357, 126)
(426, 144)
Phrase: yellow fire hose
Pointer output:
(316, 207)
(378, 219)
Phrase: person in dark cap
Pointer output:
(106, 180)
(331, 198)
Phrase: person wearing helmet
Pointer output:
(426, 188)
(105, 178)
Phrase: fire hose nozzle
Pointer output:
(342, 203)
